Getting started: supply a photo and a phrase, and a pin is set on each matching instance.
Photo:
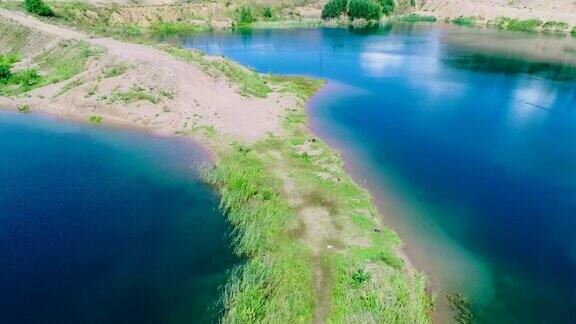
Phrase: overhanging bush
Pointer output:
(334, 9)
(364, 9)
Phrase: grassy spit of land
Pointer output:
(316, 248)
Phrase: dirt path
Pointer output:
(196, 99)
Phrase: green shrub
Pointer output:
(5, 73)
(364, 9)
(244, 16)
(573, 32)
(387, 6)
(360, 276)
(24, 108)
(464, 21)
(334, 9)
(38, 7)
(96, 119)
(267, 12)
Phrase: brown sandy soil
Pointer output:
(547, 10)
(185, 96)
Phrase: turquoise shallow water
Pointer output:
(467, 139)
(105, 226)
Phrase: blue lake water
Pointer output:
(467, 139)
(105, 226)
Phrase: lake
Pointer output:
(99, 225)
(467, 139)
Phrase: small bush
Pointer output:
(573, 32)
(364, 9)
(334, 9)
(24, 108)
(464, 21)
(5, 73)
(267, 12)
(244, 16)
(387, 6)
(360, 276)
(38, 7)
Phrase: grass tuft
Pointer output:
(96, 119)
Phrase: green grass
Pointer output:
(500, 22)
(275, 283)
(415, 18)
(172, 28)
(57, 64)
(115, 70)
(555, 26)
(133, 94)
(464, 21)
(524, 25)
(285, 24)
(64, 61)
(249, 82)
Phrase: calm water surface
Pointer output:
(105, 226)
(467, 138)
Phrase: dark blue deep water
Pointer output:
(466, 137)
(105, 226)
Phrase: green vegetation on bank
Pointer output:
(172, 28)
(464, 21)
(415, 18)
(289, 277)
(528, 25)
(56, 63)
